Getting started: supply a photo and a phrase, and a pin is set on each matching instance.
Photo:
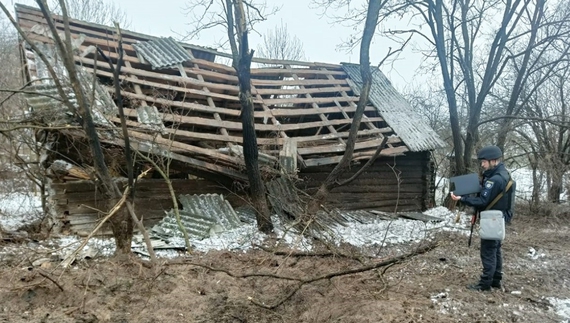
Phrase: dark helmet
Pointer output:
(489, 153)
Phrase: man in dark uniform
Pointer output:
(495, 179)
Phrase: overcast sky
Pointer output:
(319, 35)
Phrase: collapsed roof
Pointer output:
(179, 102)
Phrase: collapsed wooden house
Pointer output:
(183, 106)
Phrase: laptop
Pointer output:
(465, 184)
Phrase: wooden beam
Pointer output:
(194, 135)
(315, 105)
(205, 122)
(211, 103)
(373, 143)
(357, 156)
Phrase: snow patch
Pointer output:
(18, 209)
(561, 307)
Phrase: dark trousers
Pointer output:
(492, 260)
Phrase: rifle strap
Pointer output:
(509, 184)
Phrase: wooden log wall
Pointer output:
(75, 203)
(403, 183)
(400, 183)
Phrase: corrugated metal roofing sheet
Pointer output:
(416, 134)
(42, 100)
(45, 103)
(149, 115)
(162, 52)
(200, 215)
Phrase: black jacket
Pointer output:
(494, 182)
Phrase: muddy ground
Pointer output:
(428, 287)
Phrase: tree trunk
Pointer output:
(121, 223)
(374, 7)
(250, 150)
(556, 184)
(437, 29)
(122, 227)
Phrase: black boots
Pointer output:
(479, 287)
(483, 287)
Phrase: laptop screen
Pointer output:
(465, 184)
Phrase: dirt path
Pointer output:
(426, 288)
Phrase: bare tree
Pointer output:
(121, 223)
(238, 19)
(331, 181)
(98, 11)
(474, 44)
(280, 44)
(210, 14)
(541, 56)
(20, 153)
(552, 140)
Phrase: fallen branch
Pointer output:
(308, 254)
(51, 279)
(301, 281)
(386, 262)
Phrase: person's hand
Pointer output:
(455, 197)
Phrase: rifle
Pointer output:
(473, 220)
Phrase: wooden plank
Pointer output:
(227, 78)
(164, 86)
(315, 105)
(309, 99)
(204, 122)
(341, 147)
(310, 82)
(381, 190)
(165, 152)
(211, 104)
(83, 47)
(166, 77)
(105, 42)
(266, 109)
(352, 104)
(184, 134)
(287, 72)
(232, 78)
(378, 178)
(201, 165)
(198, 107)
(284, 112)
(77, 26)
(336, 159)
(182, 147)
(344, 134)
(299, 91)
(186, 105)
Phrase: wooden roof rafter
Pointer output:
(367, 122)
(315, 105)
